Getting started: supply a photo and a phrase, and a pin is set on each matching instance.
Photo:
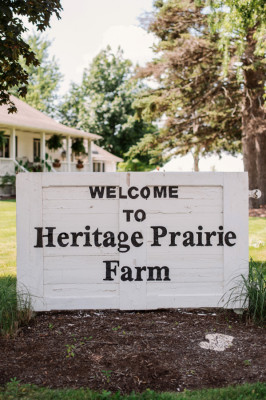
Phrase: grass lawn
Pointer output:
(257, 238)
(8, 237)
(28, 392)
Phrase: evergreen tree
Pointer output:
(102, 104)
(243, 24)
(200, 108)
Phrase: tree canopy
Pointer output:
(199, 106)
(102, 104)
(43, 79)
(242, 24)
(13, 46)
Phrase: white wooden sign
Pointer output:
(131, 240)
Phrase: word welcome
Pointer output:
(133, 192)
(123, 241)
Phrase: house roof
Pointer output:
(28, 118)
(99, 154)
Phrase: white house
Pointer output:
(26, 133)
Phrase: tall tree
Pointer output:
(12, 45)
(102, 104)
(243, 23)
(43, 79)
(200, 108)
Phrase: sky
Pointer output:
(87, 26)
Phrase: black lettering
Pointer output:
(173, 236)
(87, 237)
(190, 239)
(228, 236)
(220, 236)
(122, 238)
(110, 192)
(75, 235)
(173, 192)
(199, 236)
(96, 191)
(157, 235)
(208, 237)
(121, 195)
(40, 237)
(62, 236)
(130, 190)
(142, 213)
(109, 239)
(109, 270)
(159, 273)
(139, 270)
(96, 235)
(159, 192)
(127, 274)
(135, 237)
(145, 192)
(128, 212)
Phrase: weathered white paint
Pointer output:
(73, 277)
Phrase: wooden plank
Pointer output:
(236, 258)
(81, 290)
(29, 214)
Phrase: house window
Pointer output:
(98, 167)
(16, 151)
(36, 149)
(4, 147)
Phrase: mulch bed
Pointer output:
(126, 351)
(258, 212)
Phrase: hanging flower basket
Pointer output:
(56, 163)
(79, 164)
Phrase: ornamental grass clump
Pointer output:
(251, 292)
(15, 306)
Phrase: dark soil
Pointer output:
(258, 212)
(126, 351)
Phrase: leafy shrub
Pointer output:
(15, 306)
(251, 292)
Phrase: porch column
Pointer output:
(43, 146)
(68, 153)
(90, 155)
(13, 144)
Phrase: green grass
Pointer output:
(15, 306)
(257, 238)
(8, 237)
(14, 390)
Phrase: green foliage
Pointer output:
(257, 238)
(8, 180)
(233, 19)
(78, 146)
(3, 139)
(8, 237)
(12, 45)
(102, 104)
(43, 79)
(15, 306)
(54, 142)
(15, 390)
(200, 108)
(250, 291)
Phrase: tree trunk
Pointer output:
(253, 120)
(261, 165)
(196, 162)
